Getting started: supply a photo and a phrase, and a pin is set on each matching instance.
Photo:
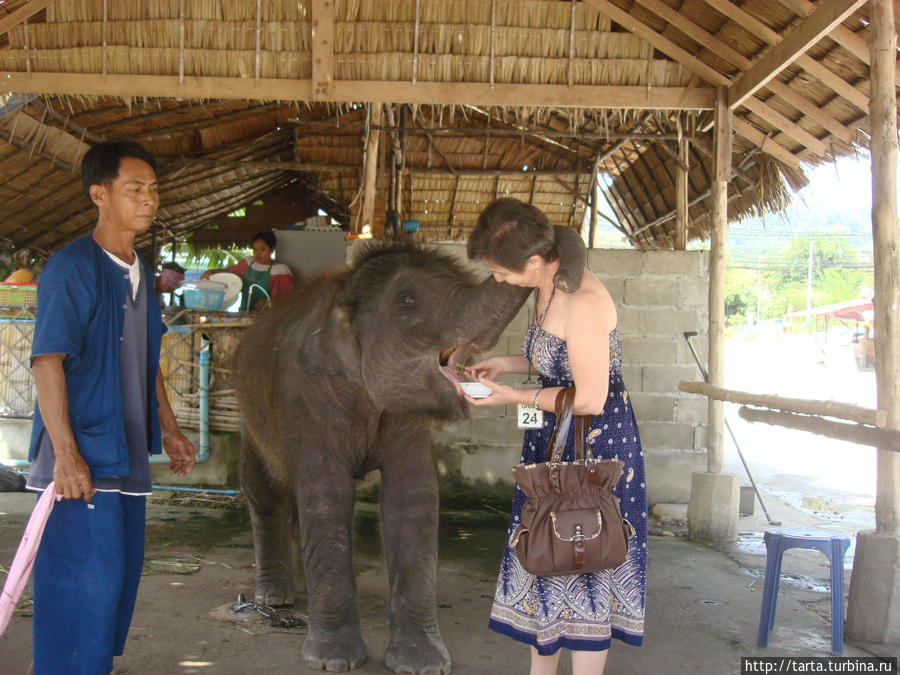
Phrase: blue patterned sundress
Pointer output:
(579, 611)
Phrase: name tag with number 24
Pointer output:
(528, 417)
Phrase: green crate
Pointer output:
(16, 295)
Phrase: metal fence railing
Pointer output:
(190, 331)
(17, 393)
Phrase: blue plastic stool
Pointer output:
(834, 546)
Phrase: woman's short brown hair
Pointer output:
(508, 232)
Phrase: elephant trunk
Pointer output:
(484, 311)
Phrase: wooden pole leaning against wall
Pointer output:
(715, 461)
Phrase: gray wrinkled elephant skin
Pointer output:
(341, 378)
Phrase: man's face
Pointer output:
(130, 202)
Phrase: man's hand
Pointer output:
(180, 451)
(71, 476)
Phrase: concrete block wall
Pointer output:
(659, 295)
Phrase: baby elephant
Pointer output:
(341, 378)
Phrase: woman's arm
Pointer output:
(591, 317)
(238, 268)
(281, 284)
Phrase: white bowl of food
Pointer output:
(476, 389)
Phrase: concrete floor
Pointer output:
(702, 604)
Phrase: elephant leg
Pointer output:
(409, 508)
(271, 513)
(325, 498)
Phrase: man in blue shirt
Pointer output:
(102, 409)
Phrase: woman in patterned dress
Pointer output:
(572, 341)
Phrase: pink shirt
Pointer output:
(281, 281)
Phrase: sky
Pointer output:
(834, 185)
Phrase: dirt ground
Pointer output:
(702, 605)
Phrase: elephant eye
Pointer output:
(406, 299)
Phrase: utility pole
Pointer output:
(758, 285)
(809, 269)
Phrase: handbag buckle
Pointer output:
(553, 469)
(578, 536)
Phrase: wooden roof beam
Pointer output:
(750, 23)
(354, 91)
(804, 35)
(766, 144)
(322, 49)
(785, 126)
(850, 40)
(433, 144)
(315, 167)
(666, 46)
(811, 110)
(251, 191)
(830, 79)
(24, 12)
(702, 37)
(696, 33)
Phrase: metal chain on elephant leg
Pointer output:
(277, 618)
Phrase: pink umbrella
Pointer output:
(21, 566)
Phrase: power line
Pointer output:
(806, 235)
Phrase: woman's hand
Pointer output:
(501, 394)
(493, 367)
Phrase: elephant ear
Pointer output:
(572, 258)
(328, 344)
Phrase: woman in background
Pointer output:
(264, 279)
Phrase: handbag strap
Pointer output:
(581, 429)
(564, 406)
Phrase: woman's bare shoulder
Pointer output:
(592, 298)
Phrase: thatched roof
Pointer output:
(480, 98)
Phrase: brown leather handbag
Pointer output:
(571, 522)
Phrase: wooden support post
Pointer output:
(715, 460)
(883, 116)
(592, 232)
(371, 165)
(873, 603)
(681, 196)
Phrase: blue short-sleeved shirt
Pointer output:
(82, 297)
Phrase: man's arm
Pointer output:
(179, 449)
(71, 476)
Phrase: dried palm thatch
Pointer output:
(441, 157)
